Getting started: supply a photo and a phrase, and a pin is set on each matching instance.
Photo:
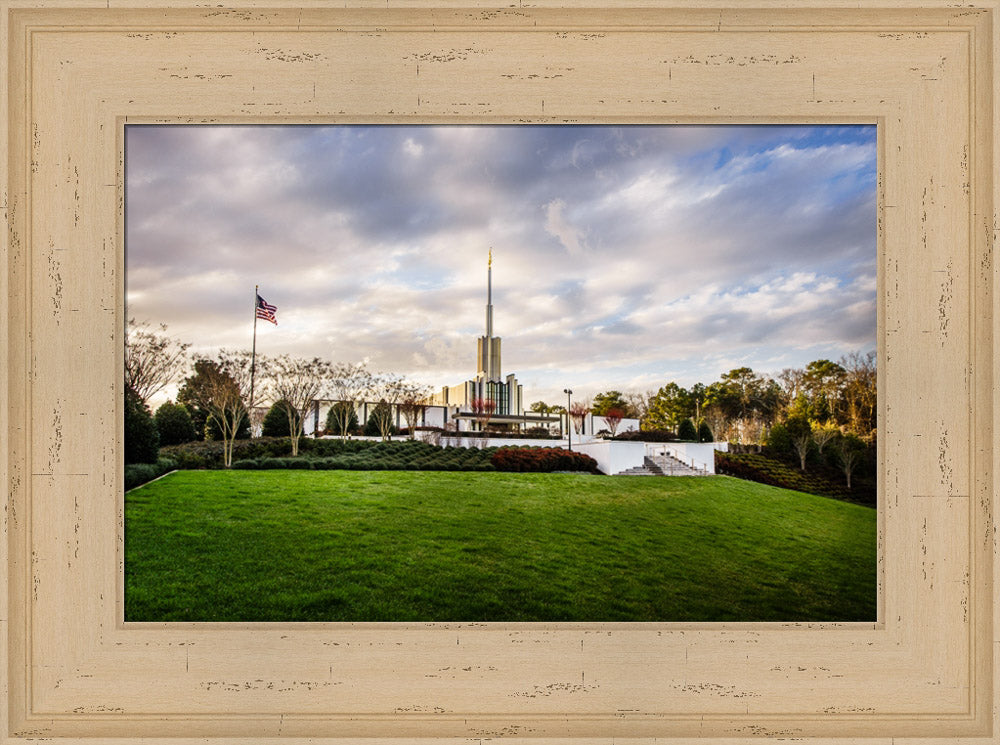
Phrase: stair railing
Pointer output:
(667, 450)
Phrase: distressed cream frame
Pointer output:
(75, 71)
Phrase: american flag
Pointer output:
(266, 311)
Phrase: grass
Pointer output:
(459, 546)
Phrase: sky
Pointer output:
(624, 257)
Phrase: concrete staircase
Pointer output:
(663, 465)
(648, 468)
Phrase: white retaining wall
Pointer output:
(496, 442)
(614, 456)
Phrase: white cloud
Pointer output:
(621, 255)
(412, 148)
(556, 224)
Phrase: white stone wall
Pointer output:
(614, 456)
(597, 423)
(436, 415)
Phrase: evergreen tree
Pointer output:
(705, 432)
(193, 394)
(174, 424)
(213, 431)
(605, 402)
(378, 422)
(335, 419)
(779, 441)
(669, 407)
(800, 436)
(142, 441)
(686, 431)
(275, 422)
(850, 453)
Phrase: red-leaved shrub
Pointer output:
(541, 460)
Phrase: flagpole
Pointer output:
(253, 353)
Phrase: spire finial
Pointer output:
(490, 263)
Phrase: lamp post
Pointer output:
(569, 429)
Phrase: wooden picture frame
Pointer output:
(75, 72)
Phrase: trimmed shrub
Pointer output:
(541, 460)
(208, 453)
(137, 474)
(275, 422)
(705, 432)
(214, 432)
(779, 441)
(174, 424)
(765, 470)
(142, 441)
(647, 435)
(381, 411)
(334, 419)
(330, 454)
(686, 431)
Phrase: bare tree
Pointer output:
(578, 413)
(639, 404)
(791, 380)
(298, 382)
(388, 390)
(850, 451)
(823, 434)
(431, 436)
(222, 388)
(613, 417)
(482, 409)
(720, 424)
(153, 360)
(860, 391)
(754, 428)
(348, 384)
(412, 404)
(800, 433)
(257, 415)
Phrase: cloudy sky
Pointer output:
(623, 257)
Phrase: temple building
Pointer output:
(489, 384)
(458, 407)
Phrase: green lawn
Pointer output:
(462, 546)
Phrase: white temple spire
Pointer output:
(489, 296)
(488, 352)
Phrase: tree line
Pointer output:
(225, 396)
(743, 405)
(799, 410)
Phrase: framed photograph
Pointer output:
(637, 276)
(75, 78)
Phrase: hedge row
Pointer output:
(137, 474)
(765, 470)
(273, 452)
(647, 435)
(358, 464)
(543, 460)
(209, 454)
